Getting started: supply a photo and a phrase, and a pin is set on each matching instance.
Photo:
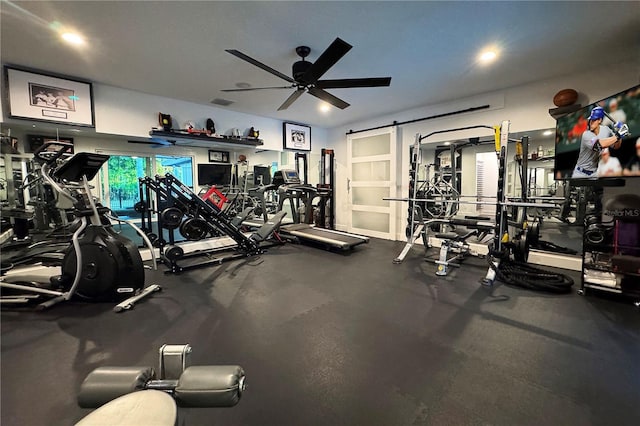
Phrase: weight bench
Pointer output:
(142, 395)
(455, 243)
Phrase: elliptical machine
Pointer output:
(99, 265)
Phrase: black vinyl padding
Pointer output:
(210, 386)
(107, 383)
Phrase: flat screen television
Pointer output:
(214, 174)
(261, 175)
(624, 107)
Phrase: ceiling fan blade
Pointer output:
(291, 99)
(257, 88)
(329, 57)
(328, 97)
(346, 83)
(260, 65)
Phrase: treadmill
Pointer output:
(291, 189)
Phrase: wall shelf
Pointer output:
(202, 140)
(562, 111)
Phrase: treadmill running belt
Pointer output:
(324, 236)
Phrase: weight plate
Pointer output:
(533, 234)
(521, 249)
(140, 207)
(194, 229)
(591, 220)
(595, 234)
(171, 217)
(173, 252)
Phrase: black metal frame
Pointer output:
(170, 192)
(326, 188)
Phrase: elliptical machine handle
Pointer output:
(54, 155)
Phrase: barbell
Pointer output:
(487, 203)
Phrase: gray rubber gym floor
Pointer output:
(330, 339)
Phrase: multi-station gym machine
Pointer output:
(512, 233)
(202, 220)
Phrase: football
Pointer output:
(565, 97)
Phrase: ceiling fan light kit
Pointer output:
(306, 75)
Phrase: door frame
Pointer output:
(392, 157)
(104, 172)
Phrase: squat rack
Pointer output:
(501, 242)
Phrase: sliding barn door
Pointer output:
(371, 179)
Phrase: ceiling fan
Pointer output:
(306, 75)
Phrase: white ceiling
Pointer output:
(176, 49)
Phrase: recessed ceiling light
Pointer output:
(447, 143)
(73, 38)
(487, 56)
(324, 107)
(547, 132)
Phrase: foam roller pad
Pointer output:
(107, 383)
(210, 386)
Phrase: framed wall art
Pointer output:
(218, 156)
(297, 137)
(33, 95)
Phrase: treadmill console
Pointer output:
(286, 177)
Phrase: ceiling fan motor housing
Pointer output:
(299, 68)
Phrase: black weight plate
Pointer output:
(533, 233)
(140, 207)
(173, 252)
(521, 249)
(194, 229)
(595, 234)
(171, 217)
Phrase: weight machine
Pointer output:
(198, 218)
(511, 233)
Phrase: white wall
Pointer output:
(526, 107)
(128, 114)
(125, 112)
(122, 115)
